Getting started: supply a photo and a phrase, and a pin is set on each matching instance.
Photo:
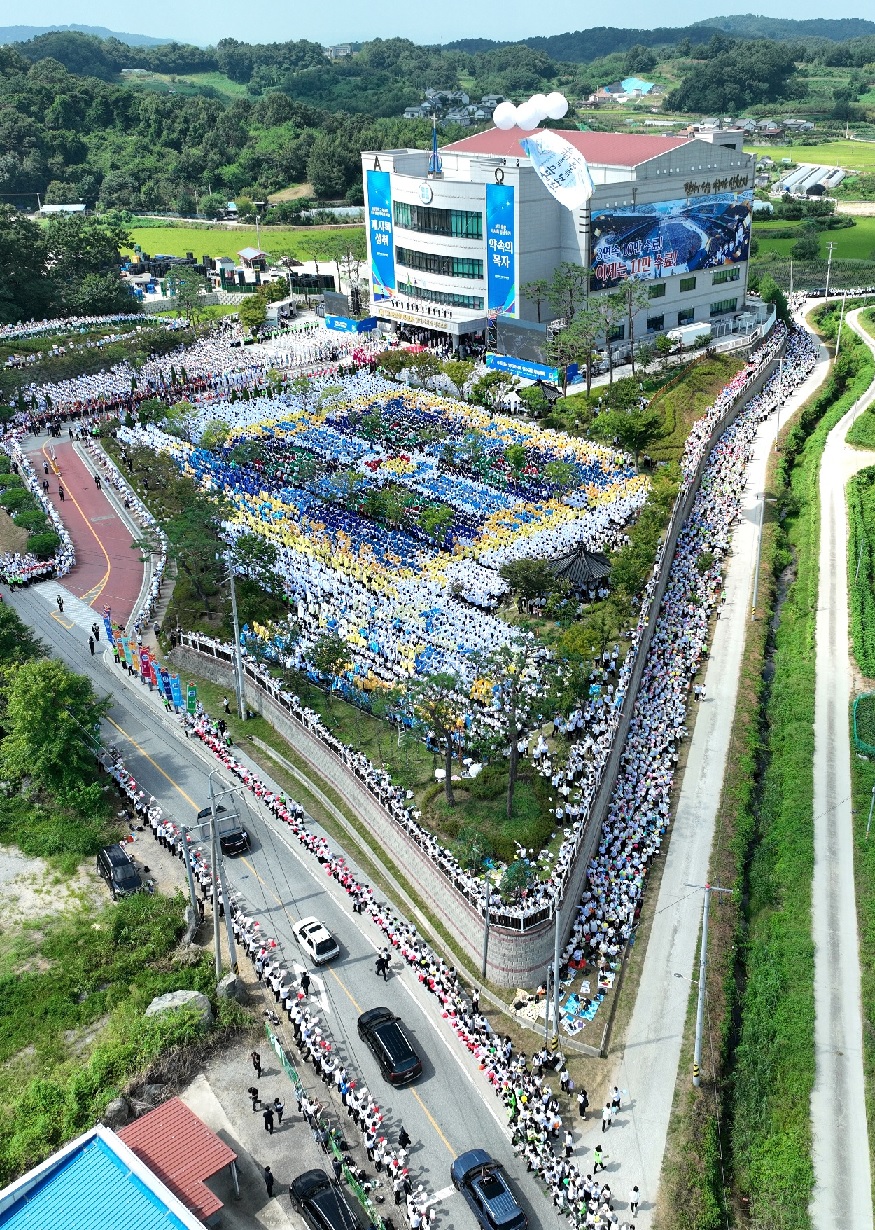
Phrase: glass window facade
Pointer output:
(686, 316)
(433, 262)
(688, 284)
(723, 306)
(725, 275)
(655, 323)
(656, 291)
(445, 297)
(457, 223)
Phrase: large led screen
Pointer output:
(655, 241)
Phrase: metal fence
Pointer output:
(864, 716)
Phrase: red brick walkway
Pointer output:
(108, 570)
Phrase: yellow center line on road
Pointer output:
(154, 763)
(349, 995)
(62, 622)
(452, 1152)
(96, 590)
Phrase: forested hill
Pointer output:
(20, 34)
(583, 46)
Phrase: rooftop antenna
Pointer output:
(435, 163)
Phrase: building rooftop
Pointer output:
(181, 1151)
(93, 1183)
(250, 254)
(612, 149)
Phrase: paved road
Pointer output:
(451, 1108)
(842, 1193)
(108, 570)
(648, 1066)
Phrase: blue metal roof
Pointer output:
(91, 1189)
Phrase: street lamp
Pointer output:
(756, 576)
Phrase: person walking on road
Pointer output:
(267, 1114)
(60, 602)
(95, 628)
(60, 493)
(268, 1181)
(45, 467)
(279, 1107)
(305, 983)
(91, 645)
(606, 1117)
(634, 1197)
(256, 1062)
(582, 1103)
(598, 1159)
(403, 1138)
(97, 482)
(225, 704)
(253, 1093)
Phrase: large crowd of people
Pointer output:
(639, 811)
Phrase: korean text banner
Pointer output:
(380, 235)
(501, 250)
(656, 241)
(561, 168)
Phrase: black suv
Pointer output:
(484, 1185)
(321, 1202)
(393, 1050)
(119, 872)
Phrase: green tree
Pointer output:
(576, 343)
(632, 428)
(252, 312)
(84, 264)
(459, 371)
(52, 722)
(330, 656)
(528, 578)
(514, 882)
(770, 292)
(534, 399)
(185, 285)
(538, 291)
(520, 677)
(391, 363)
(436, 701)
(568, 290)
(611, 308)
(516, 457)
(215, 433)
(435, 520)
(17, 642)
(26, 292)
(634, 296)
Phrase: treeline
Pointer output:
(584, 46)
(88, 140)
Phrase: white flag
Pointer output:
(562, 169)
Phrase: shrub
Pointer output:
(44, 545)
(31, 519)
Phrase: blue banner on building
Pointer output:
(501, 250)
(380, 235)
(522, 368)
(345, 324)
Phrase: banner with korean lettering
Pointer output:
(380, 239)
(176, 688)
(655, 241)
(561, 168)
(501, 250)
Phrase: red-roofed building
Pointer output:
(183, 1152)
(451, 252)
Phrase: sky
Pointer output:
(338, 21)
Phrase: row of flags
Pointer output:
(144, 663)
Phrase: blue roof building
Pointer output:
(93, 1183)
(631, 84)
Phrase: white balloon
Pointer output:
(504, 115)
(527, 116)
(557, 105)
(539, 104)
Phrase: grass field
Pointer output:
(853, 155)
(853, 243)
(223, 241)
(189, 83)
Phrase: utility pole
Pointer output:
(830, 246)
(871, 806)
(841, 322)
(756, 575)
(556, 977)
(238, 660)
(186, 854)
(703, 962)
(791, 277)
(214, 866)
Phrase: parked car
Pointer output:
(484, 1185)
(322, 1203)
(315, 940)
(392, 1049)
(119, 872)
